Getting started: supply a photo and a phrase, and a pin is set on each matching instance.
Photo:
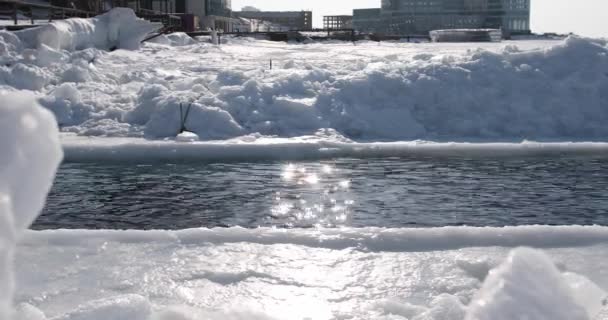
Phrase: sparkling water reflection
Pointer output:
(315, 194)
(346, 192)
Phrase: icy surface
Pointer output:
(319, 146)
(346, 273)
(542, 90)
(29, 156)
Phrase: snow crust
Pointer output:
(445, 273)
(29, 155)
(322, 145)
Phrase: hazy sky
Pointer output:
(585, 17)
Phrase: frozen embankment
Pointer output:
(136, 150)
(332, 95)
(447, 273)
(524, 90)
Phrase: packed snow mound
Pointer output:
(29, 155)
(397, 92)
(525, 90)
(118, 28)
(174, 39)
(63, 51)
(526, 286)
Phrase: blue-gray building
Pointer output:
(402, 17)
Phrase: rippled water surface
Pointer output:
(349, 192)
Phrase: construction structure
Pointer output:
(289, 20)
(337, 22)
(411, 17)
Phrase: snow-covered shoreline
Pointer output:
(369, 239)
(539, 90)
(138, 150)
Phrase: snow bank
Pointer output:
(524, 90)
(504, 95)
(29, 156)
(118, 28)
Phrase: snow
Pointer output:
(365, 273)
(368, 92)
(325, 144)
(30, 154)
(118, 28)
(503, 296)
(319, 100)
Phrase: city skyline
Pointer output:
(586, 17)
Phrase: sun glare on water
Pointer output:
(312, 195)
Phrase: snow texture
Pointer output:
(451, 273)
(545, 294)
(118, 28)
(539, 90)
(29, 155)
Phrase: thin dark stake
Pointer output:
(183, 117)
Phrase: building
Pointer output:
(337, 22)
(368, 20)
(212, 14)
(254, 25)
(402, 17)
(290, 20)
(218, 15)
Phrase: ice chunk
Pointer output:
(29, 156)
(187, 137)
(26, 311)
(526, 286)
(586, 293)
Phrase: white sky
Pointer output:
(584, 17)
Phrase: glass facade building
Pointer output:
(220, 8)
(421, 16)
(367, 20)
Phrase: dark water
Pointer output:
(350, 192)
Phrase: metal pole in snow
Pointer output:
(15, 13)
